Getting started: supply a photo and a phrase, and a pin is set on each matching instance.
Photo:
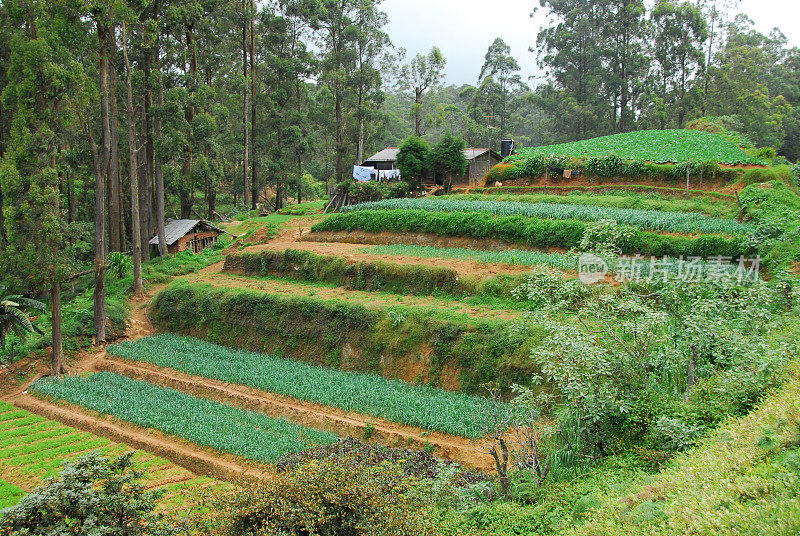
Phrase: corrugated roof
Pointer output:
(390, 154)
(474, 152)
(175, 229)
(387, 155)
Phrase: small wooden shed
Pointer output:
(183, 235)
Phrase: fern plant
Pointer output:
(14, 317)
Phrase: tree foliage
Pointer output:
(92, 495)
(413, 159)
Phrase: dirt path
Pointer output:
(342, 423)
(214, 275)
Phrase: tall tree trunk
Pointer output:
(145, 216)
(3, 235)
(187, 196)
(114, 173)
(704, 103)
(158, 171)
(360, 155)
(132, 152)
(246, 119)
(418, 111)
(211, 200)
(254, 159)
(299, 178)
(340, 149)
(100, 195)
(57, 365)
(149, 147)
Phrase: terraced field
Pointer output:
(9, 494)
(658, 146)
(215, 277)
(513, 257)
(652, 220)
(33, 448)
(224, 428)
(714, 206)
(433, 409)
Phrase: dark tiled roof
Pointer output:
(175, 229)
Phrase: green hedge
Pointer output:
(418, 279)
(531, 232)
(349, 335)
(613, 167)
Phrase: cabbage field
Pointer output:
(206, 423)
(652, 220)
(657, 146)
(369, 394)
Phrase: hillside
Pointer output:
(657, 146)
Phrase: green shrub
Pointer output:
(92, 495)
(329, 497)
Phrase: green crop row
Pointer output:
(204, 422)
(654, 220)
(713, 206)
(530, 232)
(415, 279)
(608, 188)
(516, 257)
(369, 394)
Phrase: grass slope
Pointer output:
(744, 479)
(370, 394)
(657, 146)
(227, 429)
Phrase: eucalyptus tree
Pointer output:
(336, 30)
(425, 72)
(371, 43)
(500, 75)
(570, 49)
(284, 27)
(679, 33)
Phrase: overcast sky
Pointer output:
(463, 30)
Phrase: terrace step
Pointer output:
(340, 422)
(217, 278)
(180, 452)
